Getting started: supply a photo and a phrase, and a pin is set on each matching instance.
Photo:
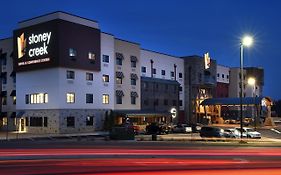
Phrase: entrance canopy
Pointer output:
(266, 101)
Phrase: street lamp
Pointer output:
(246, 41)
(252, 82)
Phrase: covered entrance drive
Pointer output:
(256, 110)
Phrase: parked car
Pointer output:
(181, 128)
(231, 133)
(165, 128)
(250, 133)
(209, 131)
(196, 127)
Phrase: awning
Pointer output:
(13, 73)
(119, 55)
(119, 93)
(119, 75)
(3, 93)
(13, 115)
(134, 94)
(234, 101)
(134, 76)
(134, 59)
(20, 114)
(13, 93)
(3, 114)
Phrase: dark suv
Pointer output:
(208, 131)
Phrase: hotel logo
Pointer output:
(207, 60)
(21, 45)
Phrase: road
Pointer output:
(87, 157)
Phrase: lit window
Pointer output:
(105, 78)
(89, 121)
(72, 52)
(89, 76)
(105, 99)
(14, 100)
(118, 80)
(70, 97)
(37, 98)
(92, 57)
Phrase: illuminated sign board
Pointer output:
(173, 112)
(207, 60)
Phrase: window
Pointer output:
(222, 75)
(118, 99)
(163, 72)
(180, 75)
(227, 76)
(119, 80)
(105, 99)
(180, 88)
(4, 100)
(133, 100)
(180, 102)
(70, 121)
(172, 74)
(37, 98)
(133, 81)
(36, 121)
(165, 102)
(105, 78)
(89, 121)
(154, 71)
(70, 97)
(105, 58)
(70, 74)
(89, 76)
(92, 57)
(119, 61)
(4, 77)
(72, 52)
(45, 122)
(218, 75)
(26, 121)
(4, 61)
(89, 98)
(14, 100)
(133, 64)
(143, 69)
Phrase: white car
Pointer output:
(231, 133)
(250, 133)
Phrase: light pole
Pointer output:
(252, 82)
(246, 41)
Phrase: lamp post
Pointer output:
(246, 41)
(252, 82)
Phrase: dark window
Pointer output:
(165, 102)
(163, 72)
(4, 77)
(45, 122)
(218, 75)
(180, 75)
(172, 74)
(105, 78)
(222, 75)
(70, 74)
(154, 71)
(70, 122)
(89, 121)
(26, 121)
(180, 102)
(4, 61)
(118, 99)
(174, 102)
(36, 121)
(143, 69)
(89, 76)
(89, 98)
(133, 100)
(26, 99)
(133, 64)
(180, 88)
(133, 81)
(119, 61)
(227, 76)
(105, 58)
